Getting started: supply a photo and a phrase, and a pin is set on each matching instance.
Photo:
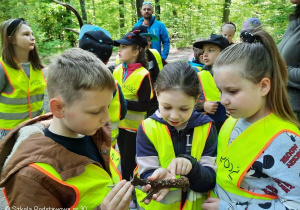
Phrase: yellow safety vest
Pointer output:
(160, 137)
(232, 165)
(90, 186)
(26, 99)
(130, 89)
(209, 88)
(157, 58)
(156, 55)
(114, 111)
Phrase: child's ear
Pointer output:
(265, 86)
(57, 107)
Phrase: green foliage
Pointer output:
(186, 20)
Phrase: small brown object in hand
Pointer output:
(182, 183)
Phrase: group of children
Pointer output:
(228, 128)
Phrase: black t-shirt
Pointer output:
(84, 146)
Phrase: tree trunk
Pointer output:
(94, 12)
(121, 15)
(83, 11)
(157, 10)
(226, 11)
(134, 16)
(139, 4)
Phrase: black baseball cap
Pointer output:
(218, 40)
(98, 43)
(145, 32)
(133, 37)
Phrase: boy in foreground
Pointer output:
(66, 165)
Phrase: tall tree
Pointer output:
(157, 10)
(226, 11)
(83, 10)
(122, 14)
(139, 4)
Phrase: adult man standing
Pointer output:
(155, 27)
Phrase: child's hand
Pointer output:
(211, 204)
(179, 166)
(158, 174)
(119, 197)
(210, 107)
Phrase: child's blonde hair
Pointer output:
(8, 54)
(261, 58)
(76, 70)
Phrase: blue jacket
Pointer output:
(195, 64)
(160, 30)
(202, 178)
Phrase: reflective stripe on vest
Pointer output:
(114, 111)
(115, 157)
(209, 88)
(90, 187)
(130, 89)
(252, 141)
(26, 99)
(157, 58)
(156, 132)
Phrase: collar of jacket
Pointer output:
(44, 149)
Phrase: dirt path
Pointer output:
(174, 55)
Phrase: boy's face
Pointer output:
(210, 53)
(87, 114)
(228, 32)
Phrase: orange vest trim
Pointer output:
(5, 196)
(59, 181)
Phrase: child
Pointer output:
(98, 41)
(258, 149)
(134, 79)
(177, 140)
(69, 164)
(154, 60)
(228, 30)
(196, 61)
(22, 83)
(210, 99)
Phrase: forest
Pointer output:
(54, 25)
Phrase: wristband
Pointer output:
(190, 158)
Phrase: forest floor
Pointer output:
(174, 55)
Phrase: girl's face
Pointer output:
(175, 107)
(127, 54)
(210, 53)
(241, 97)
(23, 39)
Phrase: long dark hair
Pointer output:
(8, 50)
(296, 13)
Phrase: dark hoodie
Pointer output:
(202, 176)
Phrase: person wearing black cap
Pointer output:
(155, 63)
(98, 41)
(210, 96)
(22, 82)
(134, 78)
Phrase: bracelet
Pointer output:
(190, 158)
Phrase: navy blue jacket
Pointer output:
(202, 178)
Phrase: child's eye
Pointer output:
(211, 51)
(184, 110)
(233, 91)
(167, 108)
(95, 113)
